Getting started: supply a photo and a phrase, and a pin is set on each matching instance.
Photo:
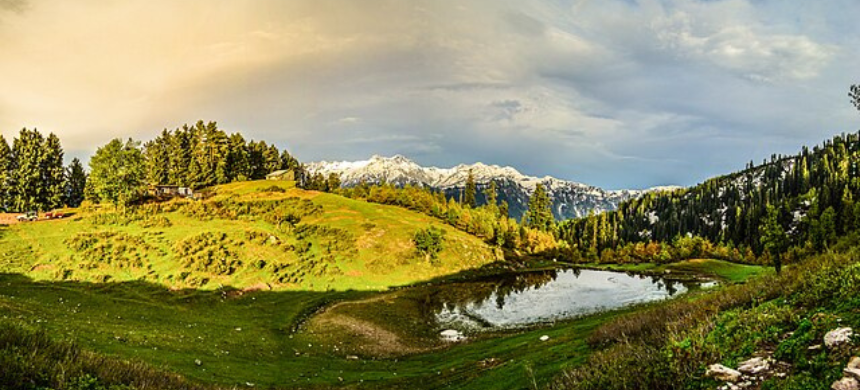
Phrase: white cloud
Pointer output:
(581, 81)
(741, 47)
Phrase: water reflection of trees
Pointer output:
(500, 286)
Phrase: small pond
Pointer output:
(539, 297)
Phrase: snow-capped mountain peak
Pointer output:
(570, 199)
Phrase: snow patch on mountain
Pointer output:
(570, 199)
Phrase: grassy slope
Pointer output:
(719, 269)
(382, 238)
(250, 338)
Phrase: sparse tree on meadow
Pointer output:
(117, 173)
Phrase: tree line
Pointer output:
(534, 234)
(32, 174)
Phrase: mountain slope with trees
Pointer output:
(811, 196)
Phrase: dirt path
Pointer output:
(374, 339)
(365, 337)
(9, 218)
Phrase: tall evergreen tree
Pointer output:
(157, 154)
(76, 182)
(27, 187)
(180, 157)
(539, 215)
(53, 173)
(5, 173)
(273, 159)
(471, 190)
(773, 237)
(237, 158)
(854, 94)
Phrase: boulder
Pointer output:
(451, 335)
(754, 366)
(854, 362)
(838, 337)
(544, 338)
(722, 373)
(852, 373)
(846, 384)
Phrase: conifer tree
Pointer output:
(854, 94)
(76, 181)
(180, 146)
(539, 215)
(53, 173)
(272, 158)
(5, 173)
(773, 237)
(333, 182)
(157, 154)
(470, 191)
(237, 157)
(27, 187)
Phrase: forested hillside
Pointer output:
(811, 196)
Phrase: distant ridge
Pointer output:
(570, 199)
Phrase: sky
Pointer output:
(613, 93)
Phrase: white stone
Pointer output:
(846, 384)
(854, 362)
(451, 335)
(544, 338)
(852, 372)
(754, 366)
(838, 337)
(722, 373)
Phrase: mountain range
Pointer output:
(570, 199)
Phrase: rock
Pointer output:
(544, 338)
(838, 337)
(451, 335)
(854, 362)
(754, 366)
(814, 347)
(722, 373)
(852, 372)
(846, 384)
(198, 362)
(351, 357)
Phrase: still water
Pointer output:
(541, 297)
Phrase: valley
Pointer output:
(240, 322)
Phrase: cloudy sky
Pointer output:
(615, 93)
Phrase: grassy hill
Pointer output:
(249, 235)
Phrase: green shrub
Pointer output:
(208, 252)
(118, 249)
(429, 242)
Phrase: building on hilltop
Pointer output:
(171, 191)
(284, 174)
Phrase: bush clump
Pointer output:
(429, 242)
(114, 248)
(208, 252)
